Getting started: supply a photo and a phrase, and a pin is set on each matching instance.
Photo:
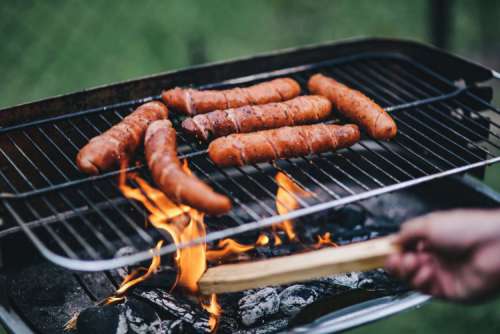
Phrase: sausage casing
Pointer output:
(161, 156)
(355, 106)
(192, 101)
(297, 111)
(107, 150)
(292, 141)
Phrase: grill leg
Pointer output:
(440, 22)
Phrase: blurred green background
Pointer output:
(55, 47)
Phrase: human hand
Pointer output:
(453, 255)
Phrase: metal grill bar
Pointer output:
(80, 222)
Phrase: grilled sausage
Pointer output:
(161, 156)
(192, 101)
(292, 141)
(355, 106)
(121, 141)
(300, 110)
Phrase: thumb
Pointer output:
(414, 231)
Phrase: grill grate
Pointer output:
(80, 222)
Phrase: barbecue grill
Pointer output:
(447, 126)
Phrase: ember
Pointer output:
(325, 240)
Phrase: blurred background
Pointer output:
(55, 47)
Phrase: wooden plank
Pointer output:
(360, 256)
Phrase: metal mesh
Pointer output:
(80, 222)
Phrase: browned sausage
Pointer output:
(121, 141)
(356, 106)
(161, 155)
(300, 110)
(292, 141)
(192, 101)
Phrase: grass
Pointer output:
(56, 47)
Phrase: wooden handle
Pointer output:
(359, 256)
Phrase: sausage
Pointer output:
(161, 156)
(355, 106)
(192, 101)
(107, 150)
(292, 141)
(300, 110)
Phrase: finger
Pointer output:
(409, 265)
(422, 277)
(392, 263)
(414, 231)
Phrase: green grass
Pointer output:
(55, 47)
(440, 317)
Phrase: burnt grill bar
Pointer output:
(80, 222)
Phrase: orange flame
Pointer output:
(135, 277)
(286, 201)
(277, 239)
(229, 247)
(182, 223)
(325, 240)
(213, 308)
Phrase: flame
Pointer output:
(262, 240)
(286, 201)
(229, 247)
(136, 276)
(325, 240)
(213, 308)
(183, 224)
(277, 239)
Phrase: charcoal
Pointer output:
(97, 284)
(272, 326)
(174, 326)
(164, 278)
(177, 308)
(350, 280)
(350, 216)
(378, 279)
(47, 295)
(102, 320)
(259, 305)
(296, 297)
(131, 317)
(141, 317)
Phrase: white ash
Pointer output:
(122, 327)
(257, 306)
(350, 280)
(171, 326)
(141, 326)
(176, 308)
(296, 297)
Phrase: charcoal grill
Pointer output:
(447, 126)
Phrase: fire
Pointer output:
(183, 224)
(325, 240)
(213, 308)
(229, 247)
(137, 276)
(286, 201)
(277, 238)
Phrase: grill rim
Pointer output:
(97, 265)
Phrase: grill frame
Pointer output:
(425, 57)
